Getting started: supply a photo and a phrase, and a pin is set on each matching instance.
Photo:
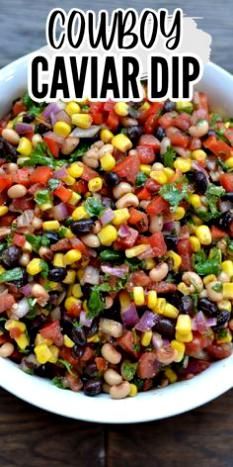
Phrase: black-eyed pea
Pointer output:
(120, 391)
(11, 136)
(111, 354)
(111, 327)
(127, 200)
(214, 291)
(122, 189)
(112, 378)
(91, 240)
(6, 350)
(159, 273)
(17, 191)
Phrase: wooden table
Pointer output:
(30, 437)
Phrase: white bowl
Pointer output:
(152, 405)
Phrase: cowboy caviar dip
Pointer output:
(116, 257)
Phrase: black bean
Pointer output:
(57, 274)
(93, 387)
(160, 133)
(11, 256)
(7, 150)
(112, 179)
(35, 325)
(200, 182)
(45, 371)
(41, 128)
(225, 219)
(67, 325)
(186, 305)
(82, 227)
(22, 281)
(79, 336)
(134, 133)
(208, 307)
(165, 327)
(228, 197)
(53, 237)
(223, 317)
(28, 118)
(91, 370)
(169, 106)
(77, 351)
(93, 329)
(171, 240)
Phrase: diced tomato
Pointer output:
(147, 365)
(128, 168)
(157, 206)
(6, 220)
(79, 245)
(218, 147)
(199, 342)
(139, 219)
(52, 144)
(140, 278)
(41, 175)
(112, 121)
(166, 120)
(5, 182)
(63, 193)
(80, 187)
(219, 351)
(87, 355)
(66, 354)
(229, 135)
(177, 138)
(226, 180)
(18, 107)
(153, 111)
(158, 244)
(19, 240)
(184, 250)
(96, 111)
(53, 331)
(150, 141)
(101, 364)
(152, 186)
(128, 241)
(74, 382)
(88, 173)
(21, 204)
(22, 176)
(146, 154)
(6, 302)
(75, 310)
(217, 233)
(128, 343)
(182, 121)
(61, 245)
(143, 194)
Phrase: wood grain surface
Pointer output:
(30, 437)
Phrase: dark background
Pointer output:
(30, 437)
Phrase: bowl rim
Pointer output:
(153, 405)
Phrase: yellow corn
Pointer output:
(54, 354)
(72, 108)
(43, 353)
(138, 296)
(51, 225)
(133, 390)
(225, 305)
(176, 259)
(25, 146)
(135, 251)
(121, 109)
(70, 277)
(209, 278)
(3, 210)
(106, 135)
(196, 220)
(229, 163)
(75, 170)
(170, 311)
(179, 213)
(107, 235)
(152, 299)
(94, 339)
(184, 106)
(124, 299)
(120, 216)
(159, 176)
(180, 349)
(160, 306)
(146, 338)
(46, 206)
(81, 120)
(199, 155)
(149, 263)
(58, 260)
(170, 375)
(22, 341)
(144, 106)
(79, 213)
(77, 291)
(62, 129)
(227, 290)
(227, 267)
(169, 172)
(195, 201)
(184, 165)
(121, 142)
(195, 243)
(145, 168)
(204, 235)
(183, 324)
(34, 266)
(41, 340)
(95, 184)
(226, 339)
(70, 302)
(184, 337)
(107, 162)
(69, 180)
(75, 198)
(13, 323)
(72, 256)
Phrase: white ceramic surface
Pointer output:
(152, 405)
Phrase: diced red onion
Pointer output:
(200, 114)
(118, 271)
(172, 226)
(199, 322)
(147, 321)
(148, 253)
(211, 322)
(61, 173)
(90, 276)
(51, 108)
(124, 231)
(25, 219)
(60, 212)
(157, 340)
(60, 116)
(26, 290)
(107, 216)
(86, 132)
(106, 202)
(84, 321)
(24, 128)
(130, 316)
(21, 308)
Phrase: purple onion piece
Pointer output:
(84, 321)
(147, 321)
(24, 128)
(130, 316)
(52, 108)
(117, 271)
(107, 216)
(60, 212)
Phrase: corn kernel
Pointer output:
(138, 296)
(169, 172)
(62, 129)
(51, 225)
(3, 210)
(184, 337)
(121, 142)
(81, 120)
(72, 256)
(226, 339)
(121, 109)
(145, 168)
(94, 339)
(227, 290)
(146, 338)
(203, 233)
(58, 260)
(13, 323)
(159, 176)
(229, 163)
(144, 106)
(151, 299)
(70, 302)
(25, 146)
(209, 278)
(199, 155)
(22, 341)
(170, 311)
(184, 106)
(124, 299)
(149, 263)
(70, 277)
(69, 180)
(196, 220)
(133, 390)
(75, 198)
(68, 342)
(184, 165)
(107, 235)
(176, 259)
(180, 348)
(179, 213)
(195, 243)
(35, 266)
(227, 267)
(120, 216)
(46, 206)
(135, 251)
(107, 162)
(106, 135)
(170, 375)
(79, 213)
(41, 340)
(184, 324)
(225, 305)
(54, 354)
(160, 306)
(75, 170)
(72, 108)
(42, 353)
(95, 184)
(183, 288)
(68, 232)
(77, 291)
(195, 201)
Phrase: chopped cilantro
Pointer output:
(173, 194)
(96, 302)
(58, 382)
(110, 255)
(53, 183)
(93, 206)
(211, 265)
(214, 119)
(140, 179)
(217, 287)
(169, 157)
(41, 156)
(37, 241)
(12, 275)
(128, 370)
(82, 149)
(33, 108)
(43, 197)
(45, 269)
(66, 364)
(213, 193)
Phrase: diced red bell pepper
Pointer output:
(112, 121)
(5, 182)
(128, 343)
(96, 111)
(166, 120)
(158, 244)
(146, 154)
(184, 250)
(153, 111)
(128, 168)
(41, 175)
(177, 138)
(143, 194)
(88, 173)
(53, 331)
(63, 193)
(217, 233)
(157, 206)
(139, 219)
(52, 144)
(217, 147)
(226, 181)
(150, 141)
(18, 107)
(182, 121)
(19, 240)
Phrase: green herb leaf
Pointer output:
(45, 269)
(213, 193)
(53, 183)
(169, 157)
(128, 370)
(96, 302)
(43, 197)
(173, 194)
(134, 264)
(214, 119)
(12, 275)
(58, 381)
(93, 206)
(82, 149)
(204, 266)
(141, 178)
(66, 364)
(33, 108)
(37, 241)
(110, 255)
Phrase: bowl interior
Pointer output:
(152, 405)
